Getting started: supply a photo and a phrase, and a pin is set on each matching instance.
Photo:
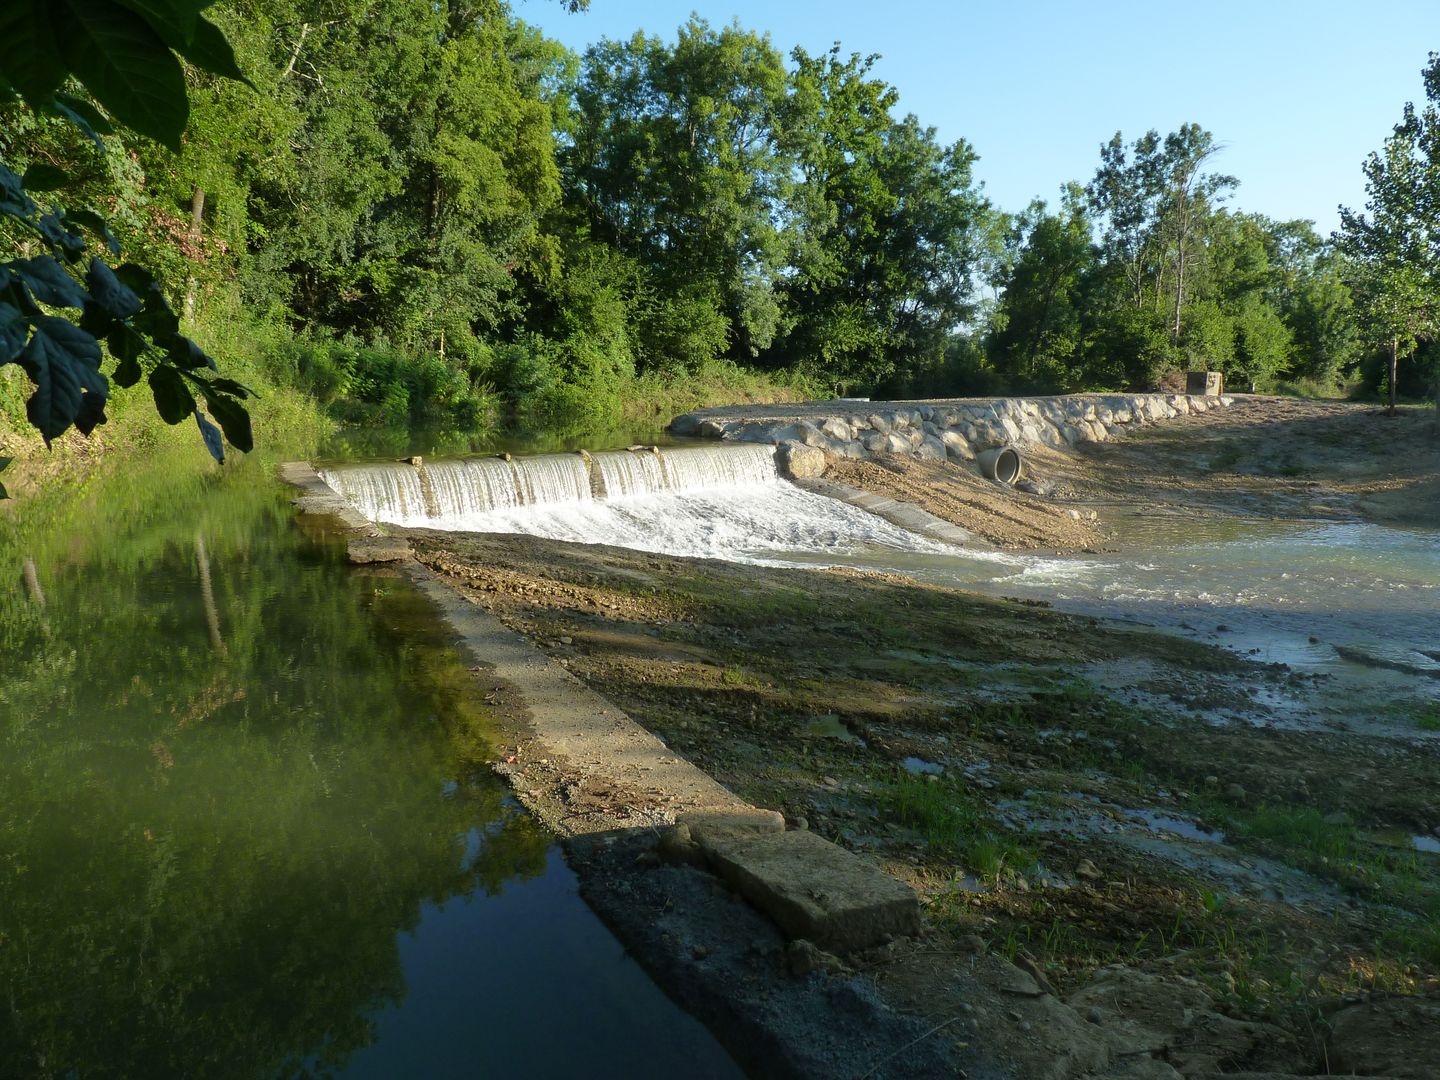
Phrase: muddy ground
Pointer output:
(1116, 811)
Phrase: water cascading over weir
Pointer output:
(461, 493)
(727, 502)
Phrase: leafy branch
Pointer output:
(62, 310)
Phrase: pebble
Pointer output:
(567, 640)
(1095, 1016)
(1014, 1014)
(1235, 792)
(1088, 870)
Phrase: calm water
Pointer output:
(246, 831)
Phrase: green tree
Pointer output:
(674, 157)
(1041, 329)
(888, 230)
(1153, 199)
(1394, 247)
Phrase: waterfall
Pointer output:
(449, 494)
(695, 468)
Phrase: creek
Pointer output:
(247, 828)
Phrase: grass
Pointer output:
(953, 825)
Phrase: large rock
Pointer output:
(802, 432)
(956, 446)
(1173, 1015)
(797, 460)
(812, 888)
(931, 449)
(1395, 1036)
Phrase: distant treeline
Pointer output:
(430, 211)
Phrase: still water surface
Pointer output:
(246, 830)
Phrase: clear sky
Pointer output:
(1298, 92)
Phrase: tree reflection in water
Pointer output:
(207, 845)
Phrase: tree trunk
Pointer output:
(32, 583)
(1394, 366)
(207, 598)
(295, 53)
(197, 219)
(1179, 289)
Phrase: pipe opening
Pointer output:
(1003, 464)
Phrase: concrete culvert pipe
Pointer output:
(1003, 463)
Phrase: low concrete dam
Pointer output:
(727, 502)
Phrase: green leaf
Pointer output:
(108, 291)
(184, 353)
(88, 219)
(233, 418)
(128, 67)
(206, 47)
(211, 434)
(13, 200)
(210, 51)
(231, 387)
(29, 57)
(70, 245)
(167, 17)
(157, 319)
(42, 177)
(172, 399)
(126, 346)
(14, 329)
(92, 412)
(48, 282)
(64, 363)
(91, 122)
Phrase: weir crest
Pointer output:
(407, 494)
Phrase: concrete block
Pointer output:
(1204, 382)
(812, 888)
(714, 826)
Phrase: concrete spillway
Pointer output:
(727, 501)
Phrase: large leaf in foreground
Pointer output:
(64, 364)
(128, 68)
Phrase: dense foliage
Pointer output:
(417, 211)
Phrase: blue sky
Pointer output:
(1298, 92)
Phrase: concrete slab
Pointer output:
(708, 826)
(813, 889)
(377, 549)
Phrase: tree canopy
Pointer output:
(416, 211)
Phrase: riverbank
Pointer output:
(1063, 793)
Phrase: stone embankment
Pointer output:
(957, 429)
